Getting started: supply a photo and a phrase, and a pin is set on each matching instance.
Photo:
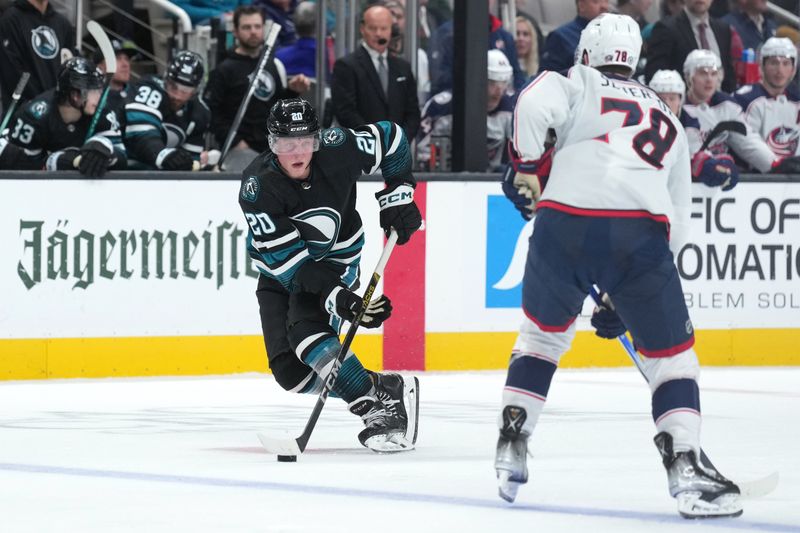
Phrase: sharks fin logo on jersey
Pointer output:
(38, 109)
(265, 86)
(783, 141)
(251, 188)
(44, 42)
(333, 137)
(319, 227)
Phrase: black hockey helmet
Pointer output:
(292, 117)
(186, 68)
(78, 74)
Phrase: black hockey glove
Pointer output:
(378, 311)
(174, 159)
(399, 211)
(787, 165)
(96, 156)
(62, 159)
(343, 303)
(606, 321)
(523, 203)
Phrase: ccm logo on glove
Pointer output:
(403, 194)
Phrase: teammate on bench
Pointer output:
(306, 238)
(615, 209)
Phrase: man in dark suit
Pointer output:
(674, 37)
(370, 85)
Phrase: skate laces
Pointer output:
(376, 415)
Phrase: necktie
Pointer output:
(383, 74)
(701, 31)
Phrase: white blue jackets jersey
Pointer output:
(151, 125)
(293, 222)
(37, 128)
(437, 120)
(620, 152)
(776, 120)
(750, 147)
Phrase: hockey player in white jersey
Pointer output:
(718, 170)
(703, 73)
(615, 209)
(772, 106)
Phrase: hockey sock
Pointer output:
(352, 382)
(527, 385)
(676, 410)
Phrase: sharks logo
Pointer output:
(333, 137)
(38, 109)
(507, 237)
(265, 86)
(783, 141)
(319, 227)
(45, 42)
(251, 188)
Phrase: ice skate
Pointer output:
(400, 396)
(511, 458)
(700, 492)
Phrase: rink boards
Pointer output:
(135, 277)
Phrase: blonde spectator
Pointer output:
(527, 43)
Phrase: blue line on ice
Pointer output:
(394, 496)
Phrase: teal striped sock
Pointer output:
(353, 381)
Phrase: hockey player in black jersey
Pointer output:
(165, 119)
(53, 129)
(305, 239)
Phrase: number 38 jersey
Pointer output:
(620, 152)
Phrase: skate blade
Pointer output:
(506, 488)
(411, 396)
(392, 443)
(691, 506)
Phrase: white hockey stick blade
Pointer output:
(23, 81)
(102, 40)
(276, 446)
(758, 488)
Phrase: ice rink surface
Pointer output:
(152, 455)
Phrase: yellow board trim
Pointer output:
(149, 356)
(171, 356)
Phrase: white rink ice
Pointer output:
(181, 454)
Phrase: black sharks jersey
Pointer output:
(293, 222)
(151, 125)
(39, 130)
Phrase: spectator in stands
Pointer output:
(33, 38)
(229, 82)
(397, 44)
(772, 107)
(166, 121)
(120, 83)
(752, 23)
(674, 37)
(280, 11)
(441, 53)
(635, 9)
(437, 115)
(301, 57)
(706, 106)
(370, 85)
(56, 129)
(667, 8)
(558, 54)
(202, 11)
(432, 14)
(528, 42)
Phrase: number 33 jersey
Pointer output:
(620, 152)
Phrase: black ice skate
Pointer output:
(400, 396)
(701, 492)
(512, 449)
(381, 426)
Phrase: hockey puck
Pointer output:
(287, 458)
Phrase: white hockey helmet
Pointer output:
(668, 81)
(701, 59)
(610, 39)
(498, 66)
(777, 47)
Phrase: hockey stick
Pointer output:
(23, 81)
(110, 57)
(296, 446)
(266, 55)
(749, 489)
(733, 126)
